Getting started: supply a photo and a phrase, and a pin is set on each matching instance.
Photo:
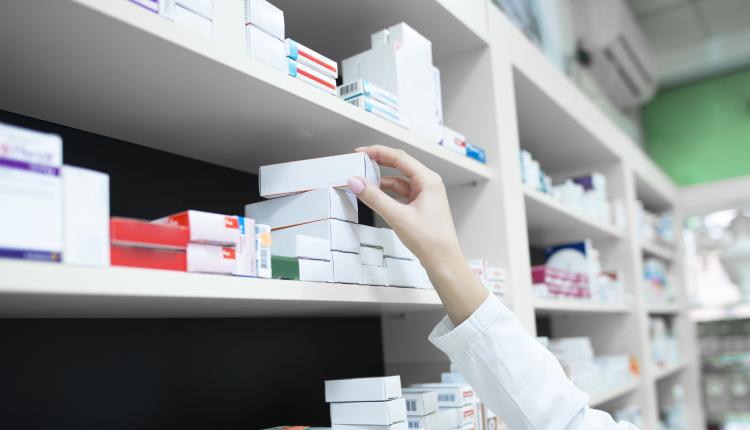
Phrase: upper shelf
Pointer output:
(551, 222)
(112, 68)
(653, 249)
(29, 289)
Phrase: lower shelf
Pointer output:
(608, 395)
(32, 289)
(664, 371)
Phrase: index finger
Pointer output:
(396, 158)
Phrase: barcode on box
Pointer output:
(348, 88)
(446, 398)
(411, 405)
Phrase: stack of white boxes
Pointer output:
(311, 67)
(366, 403)
(423, 412)
(457, 401)
(264, 33)
(493, 278)
(310, 199)
(400, 61)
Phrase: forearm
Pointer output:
(459, 289)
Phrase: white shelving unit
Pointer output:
(109, 67)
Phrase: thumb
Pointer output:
(374, 198)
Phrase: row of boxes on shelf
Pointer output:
(381, 403)
(655, 227)
(665, 346)
(593, 375)
(586, 193)
(573, 271)
(395, 79)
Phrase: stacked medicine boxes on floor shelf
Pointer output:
(316, 235)
(399, 63)
(359, 403)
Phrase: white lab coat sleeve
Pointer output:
(514, 375)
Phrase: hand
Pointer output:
(422, 220)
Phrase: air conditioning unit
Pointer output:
(620, 55)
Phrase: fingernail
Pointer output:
(356, 185)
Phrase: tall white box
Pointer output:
(265, 16)
(306, 207)
(369, 413)
(420, 401)
(265, 48)
(263, 241)
(277, 180)
(404, 67)
(341, 234)
(375, 389)
(31, 194)
(85, 216)
(347, 267)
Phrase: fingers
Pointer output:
(395, 158)
(399, 186)
(383, 204)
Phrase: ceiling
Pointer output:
(695, 39)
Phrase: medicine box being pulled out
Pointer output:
(277, 180)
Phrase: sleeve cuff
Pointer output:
(448, 338)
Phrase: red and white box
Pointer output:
(211, 259)
(310, 76)
(148, 258)
(304, 55)
(135, 232)
(206, 227)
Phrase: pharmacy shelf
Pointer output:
(664, 309)
(551, 222)
(550, 306)
(653, 249)
(113, 68)
(598, 399)
(32, 289)
(665, 371)
(718, 313)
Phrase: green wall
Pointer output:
(701, 132)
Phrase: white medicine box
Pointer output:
(316, 205)
(86, 216)
(369, 413)
(375, 389)
(342, 236)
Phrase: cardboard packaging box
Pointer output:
(375, 275)
(363, 87)
(401, 425)
(263, 242)
(406, 273)
(342, 236)
(31, 194)
(211, 259)
(192, 21)
(307, 247)
(206, 227)
(451, 395)
(347, 267)
(454, 141)
(300, 269)
(85, 216)
(304, 55)
(265, 16)
(148, 258)
(297, 176)
(420, 401)
(393, 247)
(145, 234)
(377, 108)
(306, 207)
(375, 389)
(370, 236)
(369, 413)
(265, 48)
(403, 66)
(311, 76)
(245, 249)
(476, 152)
(151, 5)
(371, 256)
